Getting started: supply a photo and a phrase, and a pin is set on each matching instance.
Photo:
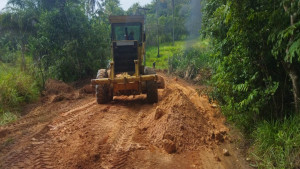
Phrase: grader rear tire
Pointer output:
(152, 94)
(103, 91)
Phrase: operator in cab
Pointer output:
(131, 36)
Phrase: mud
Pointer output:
(68, 129)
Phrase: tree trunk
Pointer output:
(294, 78)
(40, 67)
(290, 69)
(23, 64)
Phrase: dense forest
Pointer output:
(252, 58)
(256, 51)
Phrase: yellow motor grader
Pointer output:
(127, 75)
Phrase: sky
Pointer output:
(125, 4)
(2, 4)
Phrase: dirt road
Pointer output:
(68, 129)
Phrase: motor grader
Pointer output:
(126, 74)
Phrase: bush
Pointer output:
(188, 62)
(277, 143)
(16, 88)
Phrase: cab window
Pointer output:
(130, 31)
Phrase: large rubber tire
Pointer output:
(103, 91)
(160, 83)
(149, 71)
(152, 93)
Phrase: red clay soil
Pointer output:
(68, 129)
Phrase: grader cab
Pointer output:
(127, 75)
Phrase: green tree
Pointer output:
(292, 56)
(134, 9)
(112, 7)
(256, 49)
(19, 20)
(69, 45)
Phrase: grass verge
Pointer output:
(167, 51)
(16, 89)
(277, 143)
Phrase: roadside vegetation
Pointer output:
(188, 59)
(256, 79)
(168, 50)
(17, 88)
(277, 143)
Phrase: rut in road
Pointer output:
(183, 130)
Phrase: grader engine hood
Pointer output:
(124, 43)
(124, 54)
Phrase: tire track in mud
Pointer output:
(121, 144)
(17, 157)
(27, 123)
(44, 159)
(69, 116)
(26, 136)
(41, 157)
(34, 118)
(23, 155)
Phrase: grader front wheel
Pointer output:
(152, 94)
(103, 91)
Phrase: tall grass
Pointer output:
(167, 51)
(277, 143)
(16, 89)
(190, 62)
(7, 117)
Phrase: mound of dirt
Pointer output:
(177, 125)
(56, 91)
(87, 89)
(56, 87)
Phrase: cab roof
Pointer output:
(127, 19)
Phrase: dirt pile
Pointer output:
(87, 89)
(176, 124)
(56, 91)
(56, 87)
